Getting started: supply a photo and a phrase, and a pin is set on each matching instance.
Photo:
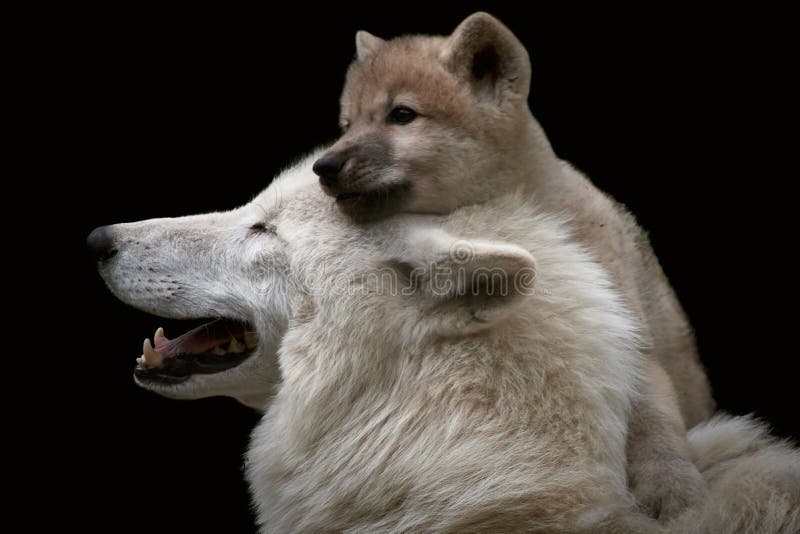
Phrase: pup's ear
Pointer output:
(483, 52)
(367, 45)
(465, 285)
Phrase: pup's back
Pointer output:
(612, 234)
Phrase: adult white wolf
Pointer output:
(412, 391)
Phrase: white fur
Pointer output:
(420, 411)
(754, 479)
(387, 407)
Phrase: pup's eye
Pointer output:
(401, 115)
(261, 228)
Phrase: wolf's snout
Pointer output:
(328, 168)
(101, 243)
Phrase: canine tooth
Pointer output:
(140, 361)
(218, 351)
(159, 334)
(250, 339)
(151, 356)
(235, 346)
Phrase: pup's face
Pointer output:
(427, 121)
(403, 116)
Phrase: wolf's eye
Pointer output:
(401, 115)
(261, 228)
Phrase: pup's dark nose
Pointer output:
(328, 168)
(101, 243)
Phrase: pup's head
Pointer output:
(430, 123)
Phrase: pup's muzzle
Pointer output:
(328, 168)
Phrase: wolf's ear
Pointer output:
(465, 285)
(489, 57)
(367, 45)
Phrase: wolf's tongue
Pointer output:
(202, 339)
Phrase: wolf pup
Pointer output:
(433, 123)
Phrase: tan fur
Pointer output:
(474, 138)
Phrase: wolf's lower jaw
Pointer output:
(212, 347)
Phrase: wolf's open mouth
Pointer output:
(212, 347)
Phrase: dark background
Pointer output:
(679, 114)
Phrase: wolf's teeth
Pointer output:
(218, 351)
(152, 357)
(159, 335)
(235, 347)
(140, 361)
(250, 339)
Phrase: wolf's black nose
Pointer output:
(101, 243)
(328, 167)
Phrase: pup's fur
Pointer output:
(474, 138)
(462, 410)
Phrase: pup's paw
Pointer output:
(665, 489)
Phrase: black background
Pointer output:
(677, 113)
